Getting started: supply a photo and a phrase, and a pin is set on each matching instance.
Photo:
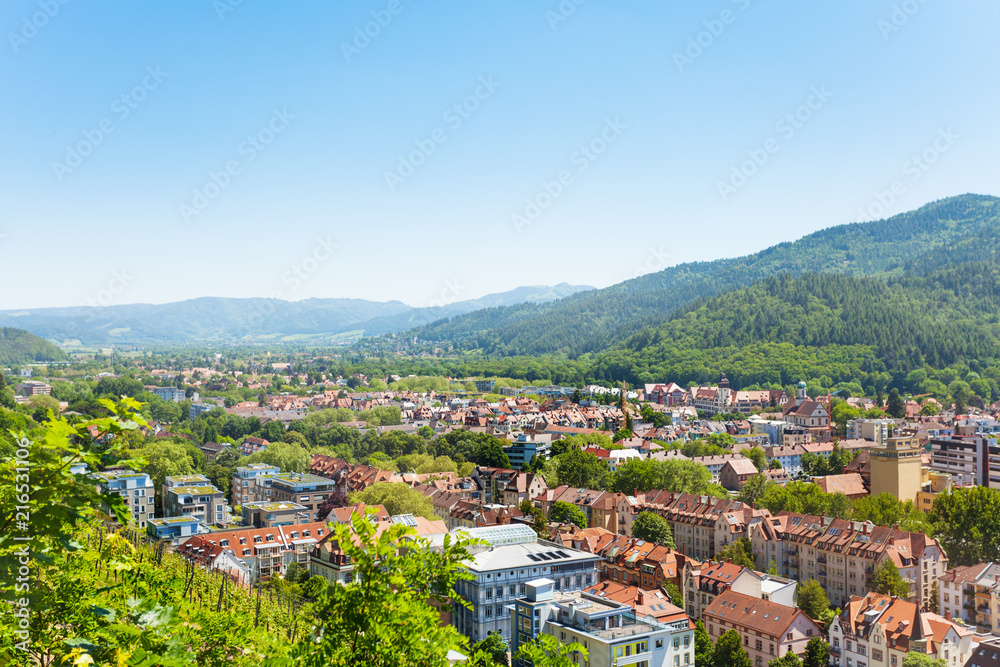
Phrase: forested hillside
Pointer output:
(787, 327)
(18, 347)
(950, 231)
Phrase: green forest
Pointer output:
(950, 231)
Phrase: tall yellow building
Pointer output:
(896, 467)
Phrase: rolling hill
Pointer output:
(785, 328)
(950, 231)
(19, 347)
(226, 320)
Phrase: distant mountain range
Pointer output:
(225, 320)
(944, 233)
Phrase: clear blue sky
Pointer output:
(672, 131)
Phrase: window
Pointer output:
(659, 643)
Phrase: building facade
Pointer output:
(137, 490)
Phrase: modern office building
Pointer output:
(513, 556)
(969, 459)
(33, 388)
(610, 631)
(525, 447)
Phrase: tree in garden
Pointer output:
(740, 552)
(967, 522)
(547, 651)
(729, 651)
(812, 599)
(491, 651)
(581, 470)
(923, 660)
(754, 488)
(704, 651)
(563, 512)
(759, 458)
(787, 660)
(888, 580)
(396, 498)
(652, 527)
(817, 653)
(333, 501)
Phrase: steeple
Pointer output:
(918, 641)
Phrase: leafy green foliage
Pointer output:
(562, 512)
(811, 598)
(888, 580)
(787, 660)
(547, 651)
(19, 347)
(817, 653)
(580, 469)
(740, 552)
(704, 650)
(668, 475)
(729, 651)
(754, 488)
(397, 499)
(967, 522)
(652, 527)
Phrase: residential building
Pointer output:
(702, 525)
(175, 529)
(302, 488)
(642, 564)
(895, 469)
(654, 603)
(986, 599)
(169, 394)
(523, 486)
(880, 630)
(611, 631)
(789, 456)
(196, 496)
(843, 555)
(329, 561)
(665, 394)
(260, 553)
(136, 488)
(957, 592)
(736, 472)
(876, 430)
(501, 570)
(252, 445)
(198, 409)
(491, 482)
(987, 654)
(851, 485)
(703, 582)
(769, 630)
(252, 483)
(267, 514)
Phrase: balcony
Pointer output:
(821, 560)
(834, 650)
